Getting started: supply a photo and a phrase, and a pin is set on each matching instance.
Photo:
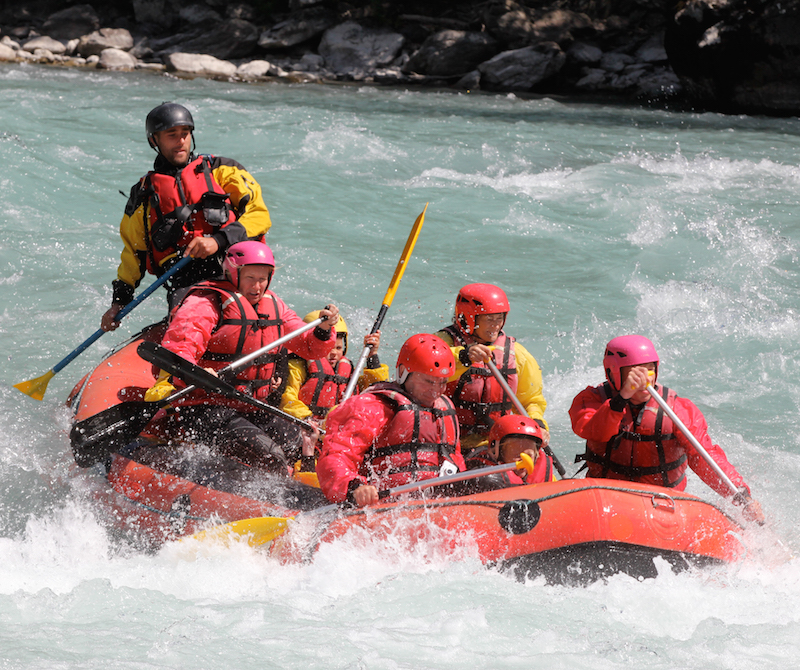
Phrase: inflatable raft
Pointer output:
(570, 531)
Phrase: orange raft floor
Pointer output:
(570, 530)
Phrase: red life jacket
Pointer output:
(325, 385)
(242, 329)
(644, 450)
(181, 207)
(478, 398)
(417, 441)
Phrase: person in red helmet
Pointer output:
(218, 322)
(630, 437)
(394, 432)
(187, 205)
(509, 437)
(476, 336)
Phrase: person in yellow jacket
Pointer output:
(315, 387)
(187, 205)
(476, 335)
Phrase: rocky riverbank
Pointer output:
(730, 55)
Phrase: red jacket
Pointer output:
(195, 321)
(595, 421)
(351, 430)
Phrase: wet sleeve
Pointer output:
(592, 417)
(133, 258)
(192, 325)
(691, 415)
(530, 390)
(290, 401)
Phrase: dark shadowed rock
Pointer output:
(297, 29)
(509, 23)
(232, 38)
(733, 58)
(452, 52)
(198, 14)
(349, 48)
(160, 13)
(562, 26)
(71, 23)
(105, 38)
(521, 69)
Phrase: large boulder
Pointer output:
(521, 69)
(116, 59)
(350, 48)
(199, 64)
(233, 38)
(94, 43)
(7, 53)
(509, 23)
(45, 42)
(730, 57)
(161, 14)
(71, 23)
(297, 28)
(452, 52)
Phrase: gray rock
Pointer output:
(105, 38)
(561, 25)
(116, 59)
(652, 51)
(161, 13)
(310, 63)
(7, 53)
(44, 42)
(200, 64)
(452, 52)
(469, 82)
(297, 29)
(253, 69)
(521, 69)
(44, 55)
(349, 47)
(240, 10)
(7, 41)
(584, 54)
(198, 14)
(232, 38)
(71, 22)
(615, 62)
(510, 24)
(592, 79)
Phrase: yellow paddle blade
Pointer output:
(36, 388)
(403, 262)
(525, 462)
(255, 531)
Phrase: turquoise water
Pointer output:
(596, 220)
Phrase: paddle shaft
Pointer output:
(180, 367)
(387, 300)
(518, 405)
(687, 433)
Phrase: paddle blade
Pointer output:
(36, 388)
(94, 439)
(255, 532)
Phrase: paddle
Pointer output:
(387, 300)
(264, 529)
(518, 405)
(37, 387)
(93, 439)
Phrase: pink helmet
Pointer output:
(514, 424)
(427, 354)
(627, 350)
(476, 299)
(244, 253)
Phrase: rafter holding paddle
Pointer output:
(37, 387)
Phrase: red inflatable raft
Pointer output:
(570, 531)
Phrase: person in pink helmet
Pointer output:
(394, 432)
(476, 335)
(630, 437)
(218, 322)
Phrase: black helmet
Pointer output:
(167, 115)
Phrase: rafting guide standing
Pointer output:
(187, 205)
(629, 436)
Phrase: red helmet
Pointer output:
(427, 354)
(514, 424)
(476, 299)
(240, 254)
(627, 350)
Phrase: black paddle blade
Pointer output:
(94, 439)
(185, 370)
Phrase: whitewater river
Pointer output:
(597, 220)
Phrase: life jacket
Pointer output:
(417, 441)
(542, 470)
(325, 385)
(478, 398)
(181, 207)
(242, 329)
(645, 449)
